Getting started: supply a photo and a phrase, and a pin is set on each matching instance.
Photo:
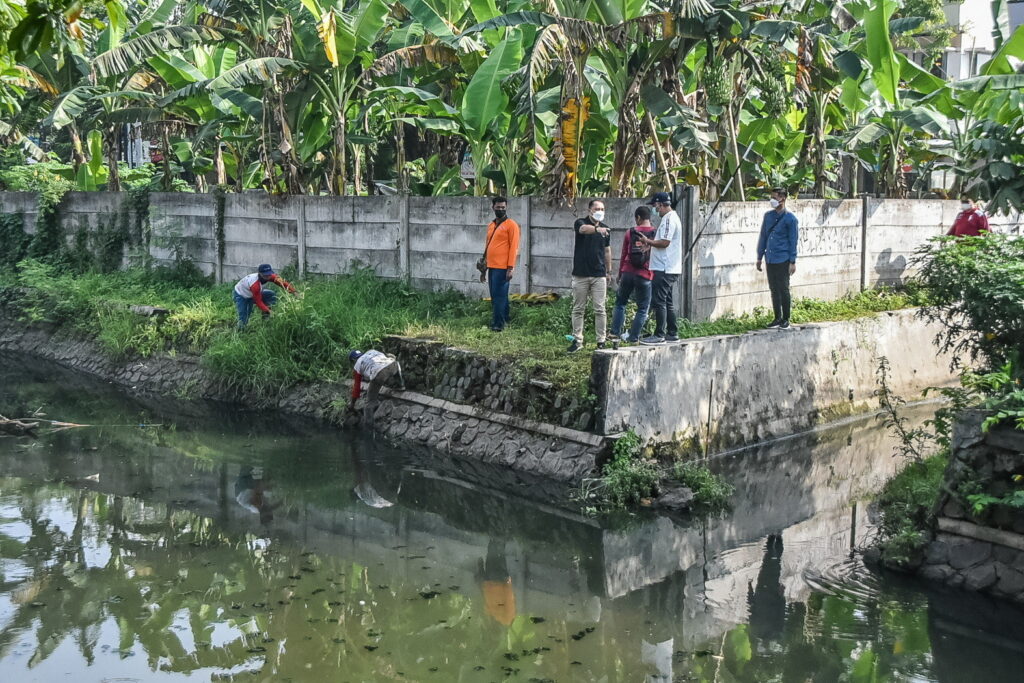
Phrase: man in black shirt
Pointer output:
(591, 270)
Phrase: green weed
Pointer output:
(711, 493)
(906, 503)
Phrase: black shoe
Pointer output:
(575, 346)
(784, 325)
(600, 345)
(653, 340)
(671, 338)
(774, 323)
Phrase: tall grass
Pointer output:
(307, 338)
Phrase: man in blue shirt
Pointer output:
(777, 246)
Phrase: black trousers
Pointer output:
(661, 304)
(778, 283)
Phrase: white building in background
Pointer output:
(973, 43)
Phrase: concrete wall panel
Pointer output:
(25, 203)
(331, 261)
(378, 236)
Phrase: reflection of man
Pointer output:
(364, 489)
(251, 493)
(496, 584)
(768, 600)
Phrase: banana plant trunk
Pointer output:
(340, 156)
(76, 147)
(113, 148)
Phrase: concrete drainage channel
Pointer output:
(720, 392)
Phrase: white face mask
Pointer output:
(964, 206)
(599, 215)
(774, 202)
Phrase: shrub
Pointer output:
(905, 503)
(710, 492)
(976, 286)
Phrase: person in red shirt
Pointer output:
(971, 221)
(251, 291)
(635, 276)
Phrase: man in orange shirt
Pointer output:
(500, 251)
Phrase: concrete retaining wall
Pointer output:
(845, 245)
(734, 390)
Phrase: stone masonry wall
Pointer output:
(462, 376)
(980, 551)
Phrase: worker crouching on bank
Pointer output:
(252, 290)
(377, 368)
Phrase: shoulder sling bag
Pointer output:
(481, 263)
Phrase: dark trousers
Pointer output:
(497, 282)
(778, 283)
(661, 304)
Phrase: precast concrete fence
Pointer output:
(845, 245)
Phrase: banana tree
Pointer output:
(344, 37)
(482, 119)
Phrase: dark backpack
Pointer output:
(639, 254)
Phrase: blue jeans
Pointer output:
(245, 306)
(631, 284)
(497, 282)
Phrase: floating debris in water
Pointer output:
(512, 656)
(428, 595)
(318, 590)
(538, 620)
(256, 649)
(371, 648)
(36, 603)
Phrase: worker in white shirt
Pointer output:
(376, 368)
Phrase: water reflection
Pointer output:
(148, 554)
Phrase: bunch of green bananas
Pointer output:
(773, 87)
(717, 81)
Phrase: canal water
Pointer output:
(182, 541)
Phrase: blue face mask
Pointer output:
(774, 202)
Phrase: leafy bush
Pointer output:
(710, 491)
(905, 504)
(976, 286)
(626, 479)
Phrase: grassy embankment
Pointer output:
(308, 339)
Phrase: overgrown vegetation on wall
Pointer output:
(635, 476)
(975, 286)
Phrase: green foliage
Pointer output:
(52, 180)
(980, 502)
(626, 480)
(14, 239)
(976, 285)
(710, 492)
(905, 503)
